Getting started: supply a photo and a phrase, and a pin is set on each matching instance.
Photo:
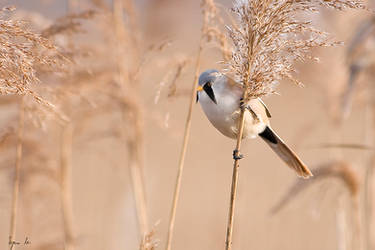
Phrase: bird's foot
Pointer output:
(246, 106)
(237, 155)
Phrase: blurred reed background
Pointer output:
(92, 121)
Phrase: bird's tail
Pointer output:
(285, 153)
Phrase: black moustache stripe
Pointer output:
(208, 89)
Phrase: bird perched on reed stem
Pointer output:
(220, 98)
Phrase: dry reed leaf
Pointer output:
(68, 24)
(5, 136)
(340, 170)
(344, 146)
(173, 86)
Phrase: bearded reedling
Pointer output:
(220, 98)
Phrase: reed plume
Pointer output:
(268, 39)
(22, 53)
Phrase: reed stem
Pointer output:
(131, 110)
(66, 144)
(236, 153)
(66, 186)
(16, 183)
(233, 192)
(184, 147)
(135, 154)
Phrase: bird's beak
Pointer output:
(199, 89)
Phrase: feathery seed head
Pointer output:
(268, 38)
(24, 54)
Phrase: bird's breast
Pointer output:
(225, 114)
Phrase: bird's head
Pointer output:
(206, 81)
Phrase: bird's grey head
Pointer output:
(208, 76)
(206, 80)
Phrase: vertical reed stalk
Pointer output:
(181, 162)
(210, 17)
(369, 185)
(66, 186)
(357, 244)
(368, 199)
(236, 153)
(131, 109)
(185, 141)
(236, 165)
(66, 144)
(341, 226)
(233, 192)
(135, 146)
(16, 183)
(369, 204)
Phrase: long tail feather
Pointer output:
(285, 153)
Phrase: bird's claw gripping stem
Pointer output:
(246, 106)
(237, 155)
(243, 105)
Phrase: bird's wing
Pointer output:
(235, 86)
(259, 109)
(267, 110)
(257, 105)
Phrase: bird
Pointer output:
(221, 100)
